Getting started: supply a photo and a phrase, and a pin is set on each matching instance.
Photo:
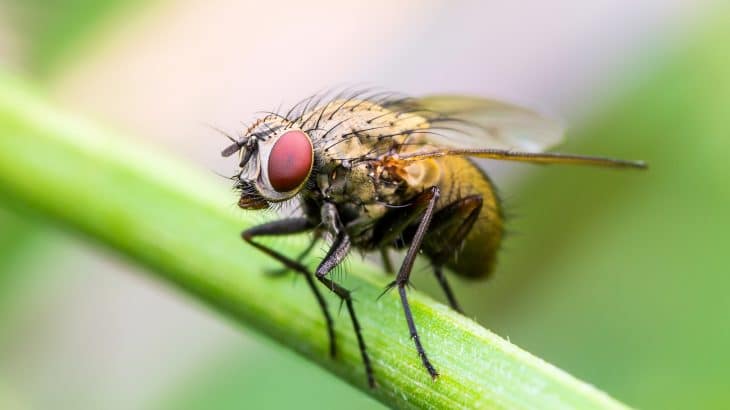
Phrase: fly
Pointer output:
(379, 172)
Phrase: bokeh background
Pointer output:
(621, 278)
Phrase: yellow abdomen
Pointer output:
(461, 178)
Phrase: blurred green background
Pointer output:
(620, 278)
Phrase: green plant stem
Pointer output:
(180, 223)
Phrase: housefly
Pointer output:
(377, 172)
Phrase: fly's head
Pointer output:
(276, 162)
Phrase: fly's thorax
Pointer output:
(415, 176)
(341, 184)
(352, 190)
(350, 130)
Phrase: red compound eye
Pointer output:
(290, 161)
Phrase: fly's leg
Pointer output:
(450, 227)
(439, 272)
(428, 201)
(284, 270)
(335, 255)
(290, 227)
(389, 231)
(387, 263)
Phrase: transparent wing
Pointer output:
(472, 122)
(482, 128)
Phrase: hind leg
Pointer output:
(448, 231)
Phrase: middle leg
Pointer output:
(426, 202)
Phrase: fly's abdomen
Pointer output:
(467, 228)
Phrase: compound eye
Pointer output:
(290, 161)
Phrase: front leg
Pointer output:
(290, 227)
(284, 270)
(335, 255)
